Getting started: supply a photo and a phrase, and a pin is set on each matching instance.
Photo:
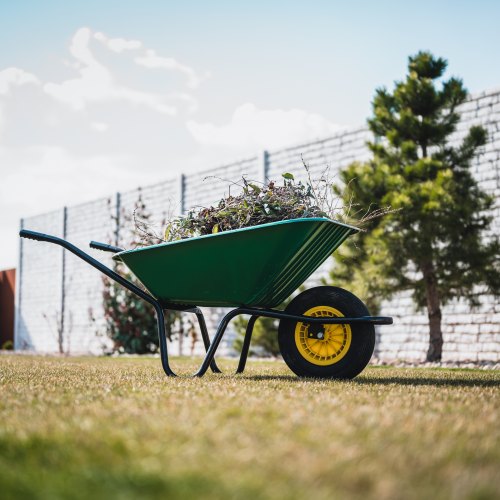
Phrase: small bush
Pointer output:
(130, 321)
(8, 345)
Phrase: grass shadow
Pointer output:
(428, 381)
(282, 378)
(417, 381)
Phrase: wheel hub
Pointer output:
(323, 344)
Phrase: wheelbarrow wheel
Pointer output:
(326, 351)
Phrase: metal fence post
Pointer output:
(19, 290)
(118, 209)
(182, 194)
(63, 282)
(264, 166)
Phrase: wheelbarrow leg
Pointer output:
(216, 341)
(246, 344)
(162, 336)
(206, 339)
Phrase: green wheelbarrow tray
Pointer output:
(323, 332)
(257, 266)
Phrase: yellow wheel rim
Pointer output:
(334, 344)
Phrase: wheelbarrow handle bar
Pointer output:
(105, 247)
(34, 235)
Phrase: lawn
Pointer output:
(117, 428)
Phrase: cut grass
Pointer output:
(117, 428)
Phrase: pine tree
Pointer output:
(435, 241)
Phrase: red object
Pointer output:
(7, 294)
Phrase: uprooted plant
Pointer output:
(259, 203)
(253, 206)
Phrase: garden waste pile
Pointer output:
(256, 204)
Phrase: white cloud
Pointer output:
(188, 99)
(152, 60)
(118, 45)
(46, 178)
(99, 126)
(52, 156)
(251, 129)
(40, 168)
(11, 77)
(96, 83)
(80, 50)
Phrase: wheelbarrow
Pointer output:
(324, 332)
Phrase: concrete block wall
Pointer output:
(163, 200)
(205, 188)
(333, 153)
(470, 335)
(82, 283)
(39, 287)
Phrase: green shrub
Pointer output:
(8, 345)
(130, 321)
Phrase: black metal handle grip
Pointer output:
(34, 235)
(105, 247)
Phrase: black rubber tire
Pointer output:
(362, 341)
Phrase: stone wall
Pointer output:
(52, 285)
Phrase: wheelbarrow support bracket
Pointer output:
(255, 313)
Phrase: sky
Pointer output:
(98, 97)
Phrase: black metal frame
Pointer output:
(210, 347)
